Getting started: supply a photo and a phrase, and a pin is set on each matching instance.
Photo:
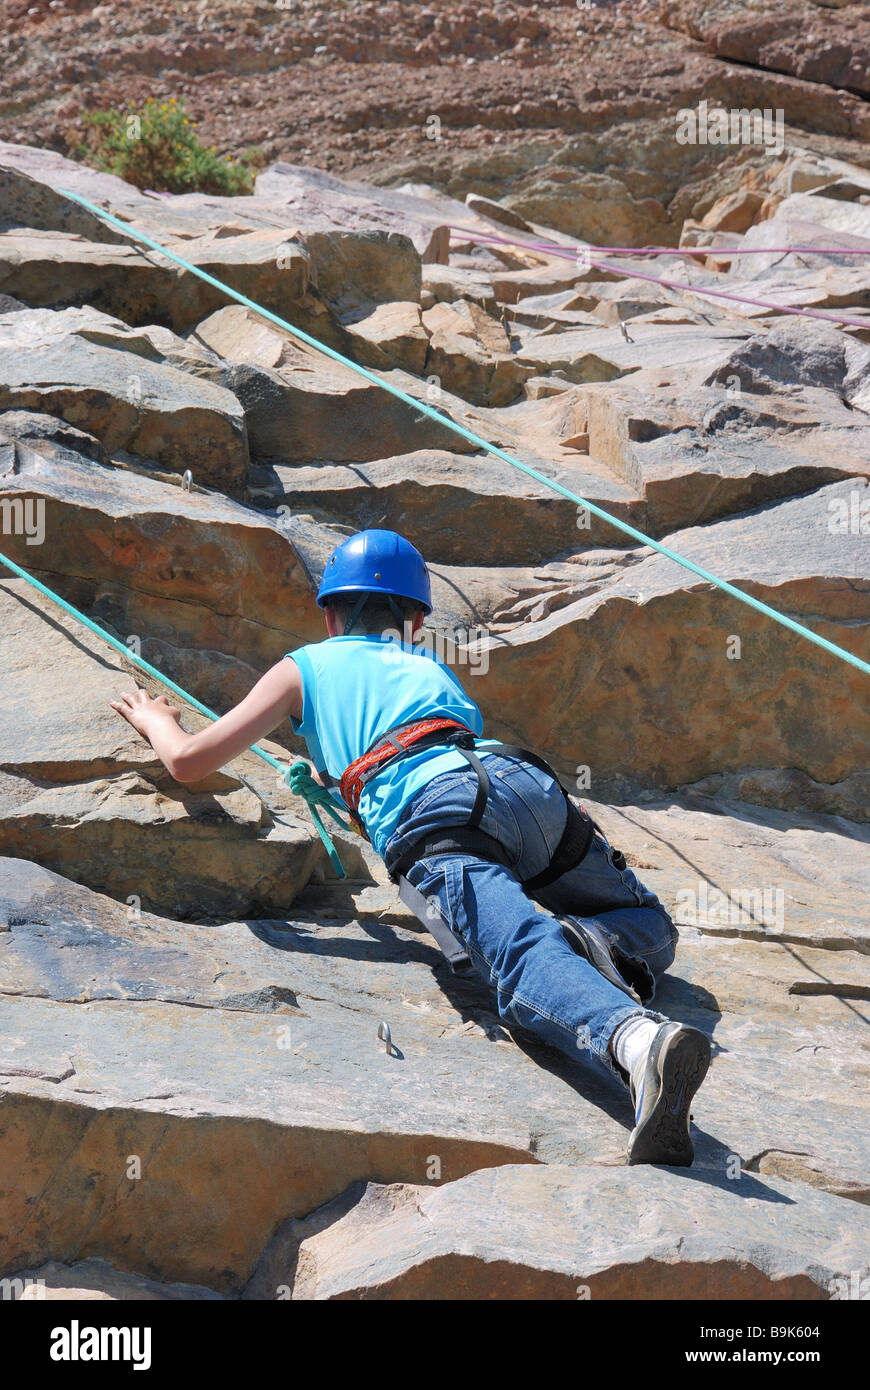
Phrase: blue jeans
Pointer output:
(542, 984)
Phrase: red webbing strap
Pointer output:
(354, 778)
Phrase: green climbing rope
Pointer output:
(297, 776)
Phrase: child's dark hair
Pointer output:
(377, 614)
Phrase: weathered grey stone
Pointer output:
(794, 228)
(299, 405)
(699, 449)
(280, 1055)
(27, 201)
(662, 640)
(591, 354)
(390, 335)
(833, 213)
(41, 431)
(214, 591)
(84, 794)
(355, 256)
(592, 207)
(791, 790)
(96, 1281)
(447, 283)
(560, 1233)
(52, 270)
(304, 193)
(796, 353)
(450, 499)
(128, 401)
(791, 877)
(470, 354)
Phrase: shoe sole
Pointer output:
(663, 1135)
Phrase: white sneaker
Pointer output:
(662, 1085)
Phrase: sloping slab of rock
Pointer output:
(470, 353)
(744, 459)
(447, 283)
(798, 354)
(301, 192)
(80, 791)
(791, 790)
(462, 507)
(50, 270)
(58, 271)
(129, 402)
(354, 254)
(95, 1281)
(278, 1067)
(698, 452)
(789, 230)
(639, 1233)
(830, 288)
(289, 1085)
(784, 413)
(835, 214)
(195, 570)
(593, 354)
(301, 405)
(657, 641)
(30, 180)
(787, 877)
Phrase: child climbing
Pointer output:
(512, 877)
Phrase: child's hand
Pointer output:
(141, 711)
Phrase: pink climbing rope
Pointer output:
(547, 248)
(566, 255)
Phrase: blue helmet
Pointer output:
(376, 562)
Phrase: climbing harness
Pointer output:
(409, 739)
(420, 407)
(386, 750)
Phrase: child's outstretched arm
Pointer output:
(190, 757)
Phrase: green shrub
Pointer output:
(157, 147)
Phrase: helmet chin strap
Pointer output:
(360, 605)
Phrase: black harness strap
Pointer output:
(429, 912)
(570, 851)
(470, 839)
(458, 839)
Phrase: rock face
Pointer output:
(186, 991)
(757, 687)
(403, 1242)
(132, 401)
(97, 1281)
(278, 1066)
(84, 796)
